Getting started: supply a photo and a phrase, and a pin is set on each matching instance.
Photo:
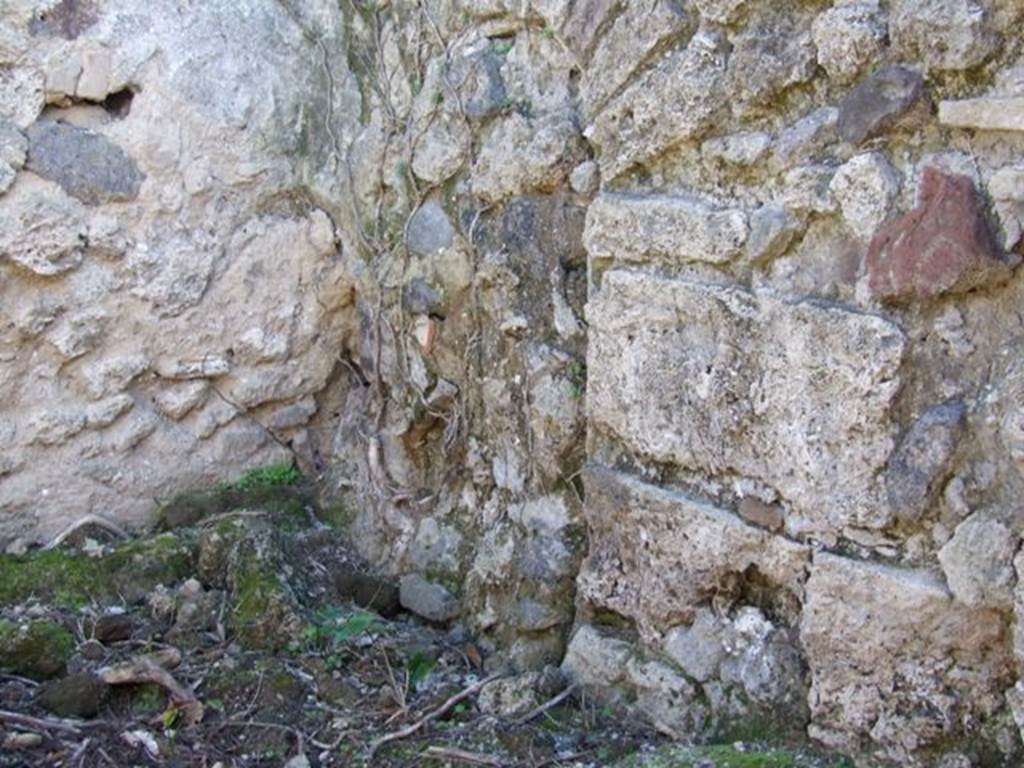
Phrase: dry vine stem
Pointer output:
(145, 670)
(409, 730)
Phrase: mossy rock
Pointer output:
(39, 650)
(71, 580)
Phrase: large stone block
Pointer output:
(657, 555)
(896, 664)
(792, 394)
(667, 228)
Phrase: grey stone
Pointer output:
(87, 165)
(875, 105)
(596, 660)
(430, 230)
(427, 599)
(477, 77)
(772, 229)
(697, 649)
(585, 178)
(978, 563)
(741, 149)
(13, 145)
(848, 36)
(807, 137)
(420, 299)
(921, 461)
(943, 34)
(770, 55)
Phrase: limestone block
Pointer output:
(794, 394)
(881, 645)
(978, 562)
(544, 155)
(657, 556)
(986, 114)
(663, 228)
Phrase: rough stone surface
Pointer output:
(663, 229)
(944, 245)
(848, 37)
(879, 643)
(978, 562)
(677, 100)
(392, 259)
(865, 188)
(667, 381)
(944, 34)
(878, 103)
(656, 555)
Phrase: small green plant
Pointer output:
(438, 98)
(419, 668)
(503, 45)
(264, 478)
(578, 378)
(548, 33)
(415, 85)
(334, 627)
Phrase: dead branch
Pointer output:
(550, 704)
(409, 730)
(462, 756)
(41, 723)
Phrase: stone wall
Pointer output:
(684, 332)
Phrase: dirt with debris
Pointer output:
(251, 635)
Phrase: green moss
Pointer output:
(39, 650)
(724, 756)
(71, 580)
(278, 490)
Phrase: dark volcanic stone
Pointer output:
(87, 165)
(114, 627)
(878, 102)
(78, 695)
(921, 461)
(945, 245)
(420, 299)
